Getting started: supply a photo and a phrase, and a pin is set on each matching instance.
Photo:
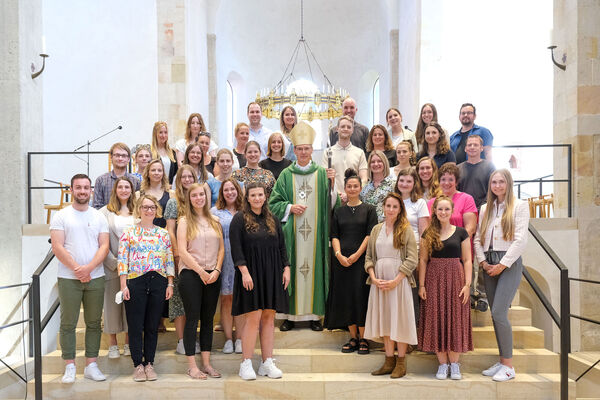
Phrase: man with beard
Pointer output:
(458, 140)
(80, 242)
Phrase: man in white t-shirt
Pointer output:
(80, 242)
(258, 132)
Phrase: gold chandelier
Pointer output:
(309, 102)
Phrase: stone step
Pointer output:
(517, 315)
(308, 386)
(579, 362)
(318, 361)
(483, 336)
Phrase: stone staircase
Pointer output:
(314, 368)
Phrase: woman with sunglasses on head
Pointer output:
(146, 276)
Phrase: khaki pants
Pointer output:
(72, 293)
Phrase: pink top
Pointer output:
(463, 203)
(204, 247)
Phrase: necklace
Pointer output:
(353, 208)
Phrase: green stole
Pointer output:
(285, 193)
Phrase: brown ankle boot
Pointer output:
(400, 368)
(387, 367)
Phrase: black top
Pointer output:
(265, 256)
(452, 246)
(173, 168)
(162, 222)
(474, 180)
(211, 166)
(440, 159)
(241, 158)
(391, 156)
(350, 225)
(274, 166)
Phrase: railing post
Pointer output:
(30, 306)
(570, 184)
(37, 319)
(29, 188)
(565, 332)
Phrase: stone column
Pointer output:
(21, 127)
(577, 121)
(172, 100)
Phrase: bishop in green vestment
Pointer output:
(299, 200)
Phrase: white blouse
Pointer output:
(515, 248)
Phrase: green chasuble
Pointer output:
(306, 236)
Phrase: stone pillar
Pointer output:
(394, 67)
(211, 60)
(577, 121)
(172, 100)
(21, 126)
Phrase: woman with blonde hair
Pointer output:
(185, 177)
(275, 162)
(201, 252)
(381, 182)
(390, 262)
(500, 241)
(119, 215)
(141, 158)
(287, 121)
(379, 139)
(445, 270)
(146, 277)
(155, 183)
(428, 182)
(160, 149)
(242, 135)
(225, 162)
(436, 145)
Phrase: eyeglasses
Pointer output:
(149, 208)
(466, 113)
(117, 155)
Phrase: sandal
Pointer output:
(210, 371)
(351, 346)
(363, 347)
(196, 375)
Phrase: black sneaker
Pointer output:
(316, 326)
(287, 325)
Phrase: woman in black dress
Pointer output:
(261, 278)
(348, 290)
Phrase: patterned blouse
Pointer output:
(144, 250)
(249, 175)
(375, 195)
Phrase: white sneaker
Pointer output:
(238, 346)
(442, 372)
(113, 352)
(247, 371)
(180, 348)
(505, 373)
(491, 371)
(268, 368)
(455, 371)
(126, 351)
(69, 376)
(92, 372)
(228, 347)
(197, 348)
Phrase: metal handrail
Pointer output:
(563, 321)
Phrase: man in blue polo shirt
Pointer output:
(458, 140)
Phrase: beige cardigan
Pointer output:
(408, 254)
(110, 262)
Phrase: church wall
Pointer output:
(21, 127)
(102, 72)
(495, 57)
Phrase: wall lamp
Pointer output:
(36, 74)
(561, 66)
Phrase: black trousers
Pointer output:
(144, 310)
(200, 303)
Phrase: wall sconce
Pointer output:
(561, 66)
(36, 74)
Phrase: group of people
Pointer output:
(251, 226)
